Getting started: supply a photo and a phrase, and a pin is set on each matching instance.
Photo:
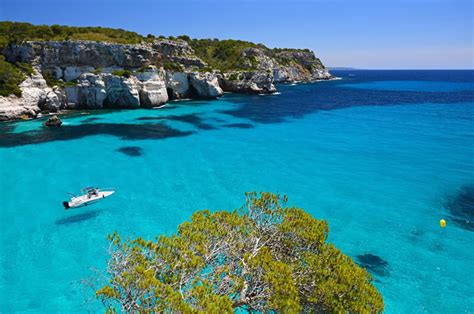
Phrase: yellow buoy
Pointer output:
(442, 223)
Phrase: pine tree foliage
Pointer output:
(263, 257)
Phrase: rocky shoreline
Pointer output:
(94, 75)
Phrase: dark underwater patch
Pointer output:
(6, 127)
(374, 264)
(294, 102)
(133, 151)
(91, 119)
(149, 118)
(239, 125)
(193, 119)
(461, 207)
(78, 218)
(217, 120)
(70, 132)
(198, 102)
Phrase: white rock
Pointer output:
(73, 72)
(152, 88)
(13, 107)
(89, 93)
(322, 74)
(121, 92)
(255, 82)
(51, 102)
(35, 96)
(206, 85)
(177, 84)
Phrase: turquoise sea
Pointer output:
(381, 155)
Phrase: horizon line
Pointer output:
(397, 69)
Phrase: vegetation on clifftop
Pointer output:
(15, 32)
(173, 66)
(222, 54)
(264, 257)
(122, 73)
(11, 75)
(219, 54)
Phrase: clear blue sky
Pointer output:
(365, 34)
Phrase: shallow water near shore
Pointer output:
(377, 154)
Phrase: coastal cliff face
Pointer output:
(93, 75)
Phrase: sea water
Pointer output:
(380, 155)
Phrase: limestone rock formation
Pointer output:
(94, 75)
(152, 88)
(95, 91)
(256, 58)
(121, 92)
(54, 100)
(299, 65)
(178, 52)
(177, 85)
(84, 53)
(255, 82)
(13, 107)
(69, 73)
(205, 85)
(53, 121)
(263, 69)
(89, 93)
(35, 96)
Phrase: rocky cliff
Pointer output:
(92, 75)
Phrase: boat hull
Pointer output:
(84, 200)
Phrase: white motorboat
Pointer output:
(88, 196)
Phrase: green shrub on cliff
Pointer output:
(173, 66)
(51, 81)
(10, 77)
(233, 77)
(122, 73)
(223, 54)
(205, 69)
(15, 32)
(70, 83)
(264, 257)
(97, 70)
(144, 69)
(24, 67)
